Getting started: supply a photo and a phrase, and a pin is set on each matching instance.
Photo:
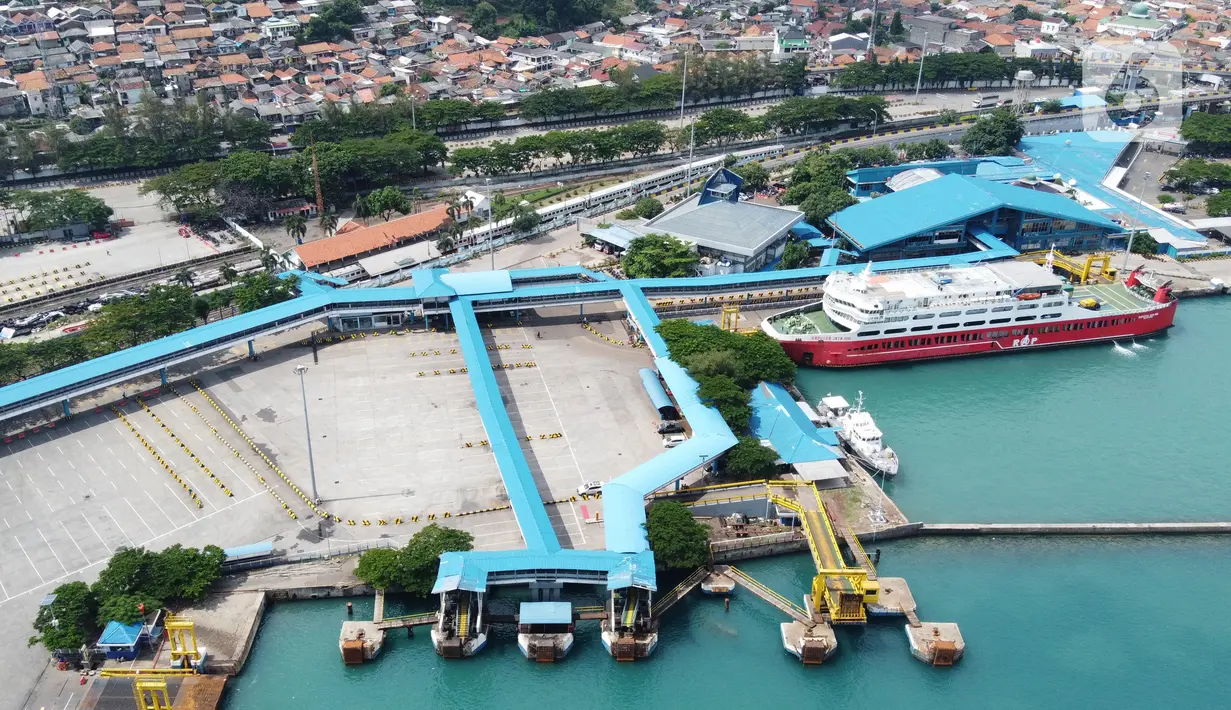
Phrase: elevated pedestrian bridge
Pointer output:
(627, 561)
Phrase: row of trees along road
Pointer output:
(135, 582)
(246, 183)
(962, 67)
(152, 133)
(47, 209)
(717, 127)
(160, 312)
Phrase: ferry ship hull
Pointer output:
(857, 352)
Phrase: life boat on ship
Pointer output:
(1029, 296)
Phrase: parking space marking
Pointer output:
(134, 510)
(74, 541)
(23, 551)
(100, 537)
(53, 550)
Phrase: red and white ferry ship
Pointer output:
(870, 318)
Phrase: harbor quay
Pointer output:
(488, 404)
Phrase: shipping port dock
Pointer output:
(457, 313)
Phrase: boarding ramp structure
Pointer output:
(839, 590)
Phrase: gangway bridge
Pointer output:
(839, 590)
(680, 591)
(771, 597)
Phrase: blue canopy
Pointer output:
(803, 230)
(545, 613)
(117, 634)
(658, 395)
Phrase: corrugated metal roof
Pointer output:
(711, 224)
(944, 201)
(478, 282)
(654, 388)
(777, 418)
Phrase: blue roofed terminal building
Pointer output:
(1061, 191)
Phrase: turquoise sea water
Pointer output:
(1080, 434)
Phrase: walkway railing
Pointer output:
(774, 598)
(680, 591)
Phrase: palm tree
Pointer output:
(361, 208)
(184, 277)
(269, 260)
(328, 223)
(444, 243)
(296, 226)
(227, 272)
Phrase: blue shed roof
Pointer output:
(545, 613)
(948, 200)
(777, 418)
(476, 282)
(654, 388)
(256, 548)
(117, 634)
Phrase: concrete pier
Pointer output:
(936, 643)
(811, 644)
(895, 599)
(361, 641)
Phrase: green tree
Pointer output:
(1165, 199)
(948, 116)
(731, 400)
(201, 309)
(994, 134)
(180, 573)
(68, 621)
(14, 362)
(748, 460)
(48, 209)
(1145, 244)
(184, 277)
(296, 227)
(127, 608)
(755, 176)
(896, 28)
(659, 256)
(676, 538)
(390, 89)
(760, 356)
(710, 363)
(328, 223)
(124, 574)
(646, 207)
(361, 208)
(381, 568)
(388, 200)
(794, 256)
(189, 189)
(820, 205)
(1051, 106)
(257, 291)
(525, 219)
(422, 556)
(227, 272)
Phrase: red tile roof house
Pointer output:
(353, 242)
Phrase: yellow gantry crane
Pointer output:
(1080, 271)
(150, 692)
(838, 589)
(182, 637)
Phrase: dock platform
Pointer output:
(812, 644)
(936, 643)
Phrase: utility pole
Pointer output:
(301, 370)
(872, 31)
(919, 79)
(683, 87)
(692, 143)
(1136, 221)
(491, 242)
(316, 179)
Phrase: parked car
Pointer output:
(589, 487)
(670, 428)
(1176, 208)
(673, 440)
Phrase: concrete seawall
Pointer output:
(1193, 528)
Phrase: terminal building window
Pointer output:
(379, 320)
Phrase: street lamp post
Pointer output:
(301, 370)
(1136, 220)
(923, 55)
(491, 244)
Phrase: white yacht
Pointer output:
(859, 434)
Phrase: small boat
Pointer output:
(859, 435)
